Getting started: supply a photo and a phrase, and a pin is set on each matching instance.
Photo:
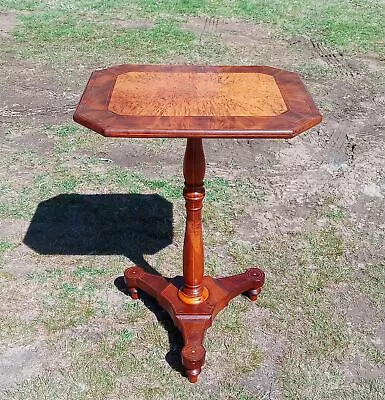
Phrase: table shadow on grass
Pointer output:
(106, 224)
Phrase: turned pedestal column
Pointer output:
(193, 291)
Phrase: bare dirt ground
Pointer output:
(337, 166)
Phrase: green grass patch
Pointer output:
(70, 26)
(54, 27)
(165, 38)
(69, 305)
(341, 23)
(55, 36)
(84, 271)
(24, 5)
(74, 297)
(372, 283)
(346, 23)
(134, 312)
(16, 330)
(96, 7)
(4, 246)
(67, 130)
(183, 7)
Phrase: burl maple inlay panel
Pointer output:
(179, 94)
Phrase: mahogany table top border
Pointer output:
(93, 112)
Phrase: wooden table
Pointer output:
(195, 102)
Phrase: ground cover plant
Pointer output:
(309, 211)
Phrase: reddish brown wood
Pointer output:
(194, 319)
(227, 115)
(194, 192)
(195, 300)
(196, 94)
(195, 102)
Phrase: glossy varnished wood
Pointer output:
(194, 319)
(194, 166)
(106, 106)
(195, 102)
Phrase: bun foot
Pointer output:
(133, 293)
(193, 357)
(131, 278)
(192, 375)
(253, 294)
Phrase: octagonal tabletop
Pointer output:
(196, 101)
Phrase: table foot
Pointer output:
(193, 357)
(133, 293)
(194, 319)
(253, 294)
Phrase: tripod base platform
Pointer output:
(194, 319)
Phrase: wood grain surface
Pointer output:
(196, 112)
(180, 94)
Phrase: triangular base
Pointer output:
(194, 319)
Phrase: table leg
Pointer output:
(194, 301)
(193, 291)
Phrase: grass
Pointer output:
(4, 246)
(53, 36)
(340, 23)
(305, 308)
(356, 25)
(95, 341)
(109, 338)
(296, 297)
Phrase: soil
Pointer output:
(343, 158)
